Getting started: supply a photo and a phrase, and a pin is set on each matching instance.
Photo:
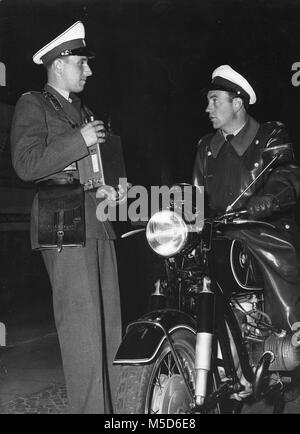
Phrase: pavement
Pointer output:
(32, 378)
(31, 374)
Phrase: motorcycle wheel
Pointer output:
(158, 388)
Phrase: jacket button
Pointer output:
(287, 226)
(209, 153)
(256, 164)
(256, 142)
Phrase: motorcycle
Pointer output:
(207, 343)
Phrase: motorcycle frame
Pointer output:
(227, 317)
(225, 330)
(161, 320)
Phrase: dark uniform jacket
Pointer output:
(225, 170)
(44, 143)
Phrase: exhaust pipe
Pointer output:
(261, 373)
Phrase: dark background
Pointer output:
(153, 58)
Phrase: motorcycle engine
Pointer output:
(260, 337)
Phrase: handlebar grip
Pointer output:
(235, 214)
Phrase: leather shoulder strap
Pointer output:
(58, 107)
(87, 114)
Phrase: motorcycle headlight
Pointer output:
(166, 233)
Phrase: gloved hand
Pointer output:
(262, 206)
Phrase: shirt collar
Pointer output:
(241, 140)
(234, 132)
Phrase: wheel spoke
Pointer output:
(167, 364)
(157, 379)
(172, 365)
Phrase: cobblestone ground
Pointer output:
(52, 400)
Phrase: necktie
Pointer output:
(229, 137)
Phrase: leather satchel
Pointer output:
(61, 219)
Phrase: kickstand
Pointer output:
(279, 403)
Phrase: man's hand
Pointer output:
(262, 206)
(93, 132)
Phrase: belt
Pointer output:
(58, 181)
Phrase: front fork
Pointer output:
(204, 339)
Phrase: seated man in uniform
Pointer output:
(227, 162)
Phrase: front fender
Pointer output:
(145, 336)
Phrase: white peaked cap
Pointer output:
(226, 78)
(70, 42)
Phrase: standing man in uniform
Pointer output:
(227, 161)
(51, 131)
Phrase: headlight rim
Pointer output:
(184, 235)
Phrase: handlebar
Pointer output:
(233, 215)
(235, 218)
(232, 218)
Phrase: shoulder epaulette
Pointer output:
(30, 92)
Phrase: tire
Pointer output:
(158, 388)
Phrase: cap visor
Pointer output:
(216, 86)
(83, 51)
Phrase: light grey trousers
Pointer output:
(87, 312)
